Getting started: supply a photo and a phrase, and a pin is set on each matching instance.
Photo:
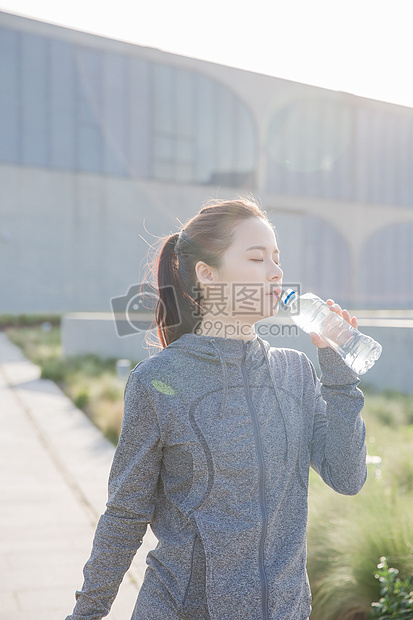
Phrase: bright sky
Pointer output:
(364, 47)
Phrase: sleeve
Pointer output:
(131, 493)
(338, 448)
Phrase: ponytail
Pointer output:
(176, 311)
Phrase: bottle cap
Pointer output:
(287, 297)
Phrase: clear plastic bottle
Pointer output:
(312, 314)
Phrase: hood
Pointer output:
(234, 351)
(229, 349)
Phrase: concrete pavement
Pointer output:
(54, 466)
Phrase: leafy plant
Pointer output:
(396, 594)
(82, 399)
(346, 535)
(25, 320)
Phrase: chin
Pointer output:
(271, 312)
(269, 315)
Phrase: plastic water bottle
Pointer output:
(312, 314)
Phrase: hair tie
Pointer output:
(182, 237)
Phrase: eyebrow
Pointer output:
(261, 247)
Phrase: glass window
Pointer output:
(225, 131)
(373, 271)
(201, 126)
(114, 112)
(184, 103)
(243, 140)
(163, 99)
(62, 104)
(163, 147)
(9, 96)
(331, 278)
(139, 114)
(69, 106)
(89, 149)
(404, 159)
(173, 134)
(89, 98)
(35, 100)
(184, 150)
(205, 143)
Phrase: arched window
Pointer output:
(386, 268)
(327, 267)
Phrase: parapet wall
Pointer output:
(96, 333)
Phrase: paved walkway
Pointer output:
(54, 466)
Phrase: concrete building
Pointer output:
(106, 145)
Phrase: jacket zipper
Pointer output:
(190, 573)
(263, 507)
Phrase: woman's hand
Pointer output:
(319, 341)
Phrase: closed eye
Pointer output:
(261, 260)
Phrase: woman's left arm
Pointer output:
(338, 448)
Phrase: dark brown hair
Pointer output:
(205, 237)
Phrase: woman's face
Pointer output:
(248, 285)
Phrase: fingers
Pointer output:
(318, 340)
(344, 313)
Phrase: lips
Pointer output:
(276, 292)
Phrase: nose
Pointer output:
(276, 273)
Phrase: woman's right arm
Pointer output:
(132, 484)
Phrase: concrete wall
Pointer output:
(84, 333)
(71, 242)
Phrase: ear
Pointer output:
(204, 273)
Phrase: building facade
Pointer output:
(106, 145)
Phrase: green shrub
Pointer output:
(82, 399)
(22, 320)
(390, 408)
(398, 465)
(396, 594)
(54, 369)
(37, 345)
(346, 535)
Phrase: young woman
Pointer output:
(218, 436)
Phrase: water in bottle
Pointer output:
(312, 314)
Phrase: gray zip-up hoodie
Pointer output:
(217, 439)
